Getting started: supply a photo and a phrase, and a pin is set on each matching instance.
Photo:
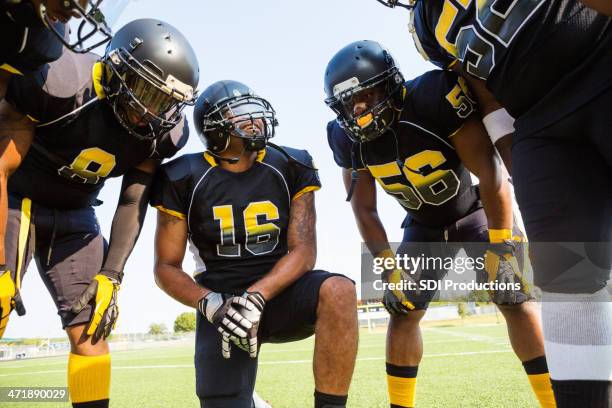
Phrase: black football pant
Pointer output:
(68, 248)
(291, 316)
(563, 183)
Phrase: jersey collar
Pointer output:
(96, 75)
(213, 162)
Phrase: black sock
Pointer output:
(329, 401)
(583, 393)
(91, 404)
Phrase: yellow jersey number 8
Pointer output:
(90, 165)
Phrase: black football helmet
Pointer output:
(151, 73)
(231, 108)
(94, 27)
(397, 3)
(364, 69)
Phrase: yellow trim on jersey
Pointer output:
(452, 64)
(305, 190)
(211, 160)
(260, 155)
(32, 118)
(457, 131)
(12, 70)
(173, 213)
(96, 75)
(24, 229)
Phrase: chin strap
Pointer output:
(354, 173)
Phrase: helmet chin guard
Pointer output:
(94, 27)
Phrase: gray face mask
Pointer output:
(252, 121)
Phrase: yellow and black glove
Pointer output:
(9, 298)
(503, 267)
(395, 300)
(103, 290)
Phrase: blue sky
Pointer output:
(280, 49)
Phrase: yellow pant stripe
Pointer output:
(24, 230)
(89, 377)
(542, 388)
(401, 390)
(12, 70)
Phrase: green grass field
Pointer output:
(469, 365)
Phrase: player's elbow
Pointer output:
(307, 255)
(363, 213)
(491, 178)
(8, 165)
(162, 274)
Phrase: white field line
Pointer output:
(472, 337)
(190, 366)
(118, 356)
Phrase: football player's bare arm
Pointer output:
(129, 215)
(603, 6)
(170, 243)
(478, 156)
(488, 104)
(365, 211)
(16, 134)
(302, 244)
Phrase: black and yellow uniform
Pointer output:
(416, 163)
(237, 232)
(429, 180)
(26, 43)
(548, 63)
(524, 50)
(78, 144)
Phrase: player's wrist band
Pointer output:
(499, 235)
(117, 276)
(498, 123)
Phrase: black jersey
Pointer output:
(26, 43)
(527, 51)
(78, 142)
(415, 162)
(237, 221)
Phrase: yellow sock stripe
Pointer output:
(401, 390)
(24, 229)
(542, 388)
(89, 377)
(499, 235)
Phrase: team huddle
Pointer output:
(521, 87)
